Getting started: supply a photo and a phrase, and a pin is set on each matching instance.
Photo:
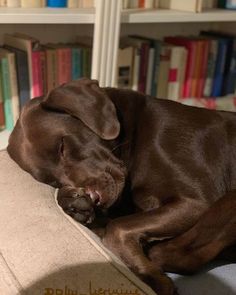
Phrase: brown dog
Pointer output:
(164, 170)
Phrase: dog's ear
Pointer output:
(85, 100)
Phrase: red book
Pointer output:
(190, 45)
(203, 68)
(64, 65)
(141, 3)
(38, 88)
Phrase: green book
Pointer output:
(221, 3)
(6, 92)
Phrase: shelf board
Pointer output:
(47, 16)
(174, 16)
(4, 135)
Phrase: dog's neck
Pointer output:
(129, 107)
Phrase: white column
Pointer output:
(106, 41)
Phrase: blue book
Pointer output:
(56, 3)
(220, 68)
(22, 71)
(77, 63)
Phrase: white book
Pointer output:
(32, 3)
(125, 4)
(184, 5)
(178, 58)
(3, 3)
(13, 3)
(136, 68)
(149, 4)
(133, 3)
(72, 3)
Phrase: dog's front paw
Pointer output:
(77, 204)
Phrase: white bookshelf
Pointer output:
(47, 16)
(106, 24)
(174, 16)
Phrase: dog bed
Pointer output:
(44, 252)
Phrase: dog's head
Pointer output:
(65, 139)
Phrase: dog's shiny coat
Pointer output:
(164, 170)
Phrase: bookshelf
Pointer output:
(47, 16)
(106, 24)
(132, 16)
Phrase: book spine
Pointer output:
(176, 72)
(68, 63)
(156, 65)
(143, 67)
(150, 71)
(56, 3)
(7, 94)
(76, 63)
(13, 3)
(219, 70)
(72, 3)
(196, 68)
(136, 67)
(36, 73)
(210, 68)
(231, 80)
(14, 87)
(63, 65)
(2, 116)
(31, 3)
(43, 75)
(203, 69)
(51, 62)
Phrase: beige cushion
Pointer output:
(43, 251)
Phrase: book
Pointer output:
(230, 4)
(3, 3)
(37, 74)
(190, 45)
(6, 91)
(144, 45)
(77, 62)
(178, 59)
(22, 71)
(163, 72)
(125, 67)
(32, 3)
(211, 62)
(56, 3)
(13, 3)
(2, 115)
(27, 44)
(11, 81)
(63, 63)
(223, 61)
(87, 3)
(205, 45)
(51, 68)
(72, 3)
(221, 3)
(229, 80)
(184, 5)
(86, 44)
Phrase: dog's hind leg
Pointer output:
(214, 232)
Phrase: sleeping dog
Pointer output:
(163, 174)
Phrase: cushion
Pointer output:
(44, 251)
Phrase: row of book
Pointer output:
(47, 3)
(179, 66)
(184, 5)
(29, 69)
